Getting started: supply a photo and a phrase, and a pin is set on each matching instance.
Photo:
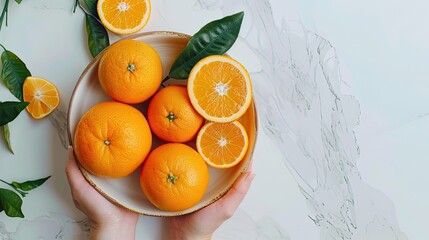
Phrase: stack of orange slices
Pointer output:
(220, 90)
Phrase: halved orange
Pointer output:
(124, 16)
(222, 145)
(42, 95)
(220, 88)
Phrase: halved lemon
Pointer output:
(222, 145)
(124, 16)
(42, 95)
(220, 88)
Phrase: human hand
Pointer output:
(109, 221)
(202, 224)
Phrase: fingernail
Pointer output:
(70, 149)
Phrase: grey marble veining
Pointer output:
(50, 226)
(58, 119)
(302, 109)
(242, 226)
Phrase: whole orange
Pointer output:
(171, 115)
(130, 71)
(174, 177)
(112, 139)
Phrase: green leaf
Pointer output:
(10, 110)
(4, 13)
(6, 135)
(13, 73)
(1, 207)
(97, 35)
(216, 37)
(30, 185)
(11, 203)
(23, 194)
(18, 1)
(92, 7)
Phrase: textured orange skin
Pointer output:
(174, 99)
(125, 85)
(185, 163)
(128, 134)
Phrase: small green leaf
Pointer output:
(18, 1)
(216, 37)
(11, 203)
(97, 35)
(13, 73)
(10, 110)
(30, 185)
(6, 135)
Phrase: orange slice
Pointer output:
(124, 16)
(42, 95)
(220, 88)
(222, 145)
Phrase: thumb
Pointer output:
(236, 194)
(74, 176)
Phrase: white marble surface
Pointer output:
(341, 88)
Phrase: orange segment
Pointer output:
(220, 88)
(222, 145)
(42, 95)
(124, 16)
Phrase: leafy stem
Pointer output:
(166, 78)
(4, 13)
(10, 202)
(13, 74)
(76, 3)
(98, 39)
(23, 194)
(1, 45)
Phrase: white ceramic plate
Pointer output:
(126, 191)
